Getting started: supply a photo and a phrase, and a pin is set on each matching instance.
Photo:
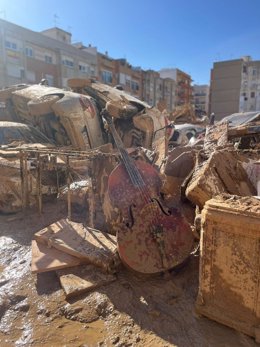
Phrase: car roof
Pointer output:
(188, 126)
(236, 119)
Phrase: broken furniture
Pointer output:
(84, 258)
(85, 243)
(229, 280)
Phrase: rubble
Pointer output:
(83, 279)
(223, 172)
(186, 114)
(127, 201)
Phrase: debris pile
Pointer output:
(129, 191)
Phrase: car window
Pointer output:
(26, 135)
(175, 136)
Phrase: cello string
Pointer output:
(137, 180)
(133, 172)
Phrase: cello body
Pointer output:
(150, 239)
(123, 194)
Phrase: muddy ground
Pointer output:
(133, 311)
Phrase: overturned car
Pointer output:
(73, 118)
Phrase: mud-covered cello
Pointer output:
(151, 239)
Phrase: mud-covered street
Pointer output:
(135, 310)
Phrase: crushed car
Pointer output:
(243, 129)
(242, 118)
(73, 118)
(185, 133)
(66, 118)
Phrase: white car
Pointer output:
(183, 133)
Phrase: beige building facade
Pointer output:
(183, 81)
(28, 56)
(158, 91)
(234, 87)
(129, 77)
(106, 67)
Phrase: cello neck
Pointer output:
(131, 169)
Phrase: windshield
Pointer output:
(24, 134)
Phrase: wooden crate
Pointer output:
(229, 283)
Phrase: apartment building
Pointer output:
(234, 87)
(158, 91)
(149, 86)
(183, 85)
(129, 77)
(225, 85)
(169, 91)
(106, 69)
(201, 98)
(250, 86)
(28, 56)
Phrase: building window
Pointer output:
(11, 45)
(252, 94)
(29, 52)
(134, 86)
(244, 69)
(106, 76)
(68, 62)
(82, 68)
(48, 59)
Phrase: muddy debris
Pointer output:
(122, 232)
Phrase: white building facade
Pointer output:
(27, 56)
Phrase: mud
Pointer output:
(132, 311)
(229, 266)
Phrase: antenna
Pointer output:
(55, 19)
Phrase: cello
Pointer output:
(151, 238)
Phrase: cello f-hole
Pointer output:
(130, 223)
(167, 213)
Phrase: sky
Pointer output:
(190, 35)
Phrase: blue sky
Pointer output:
(189, 34)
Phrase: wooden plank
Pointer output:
(47, 259)
(82, 279)
(82, 242)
